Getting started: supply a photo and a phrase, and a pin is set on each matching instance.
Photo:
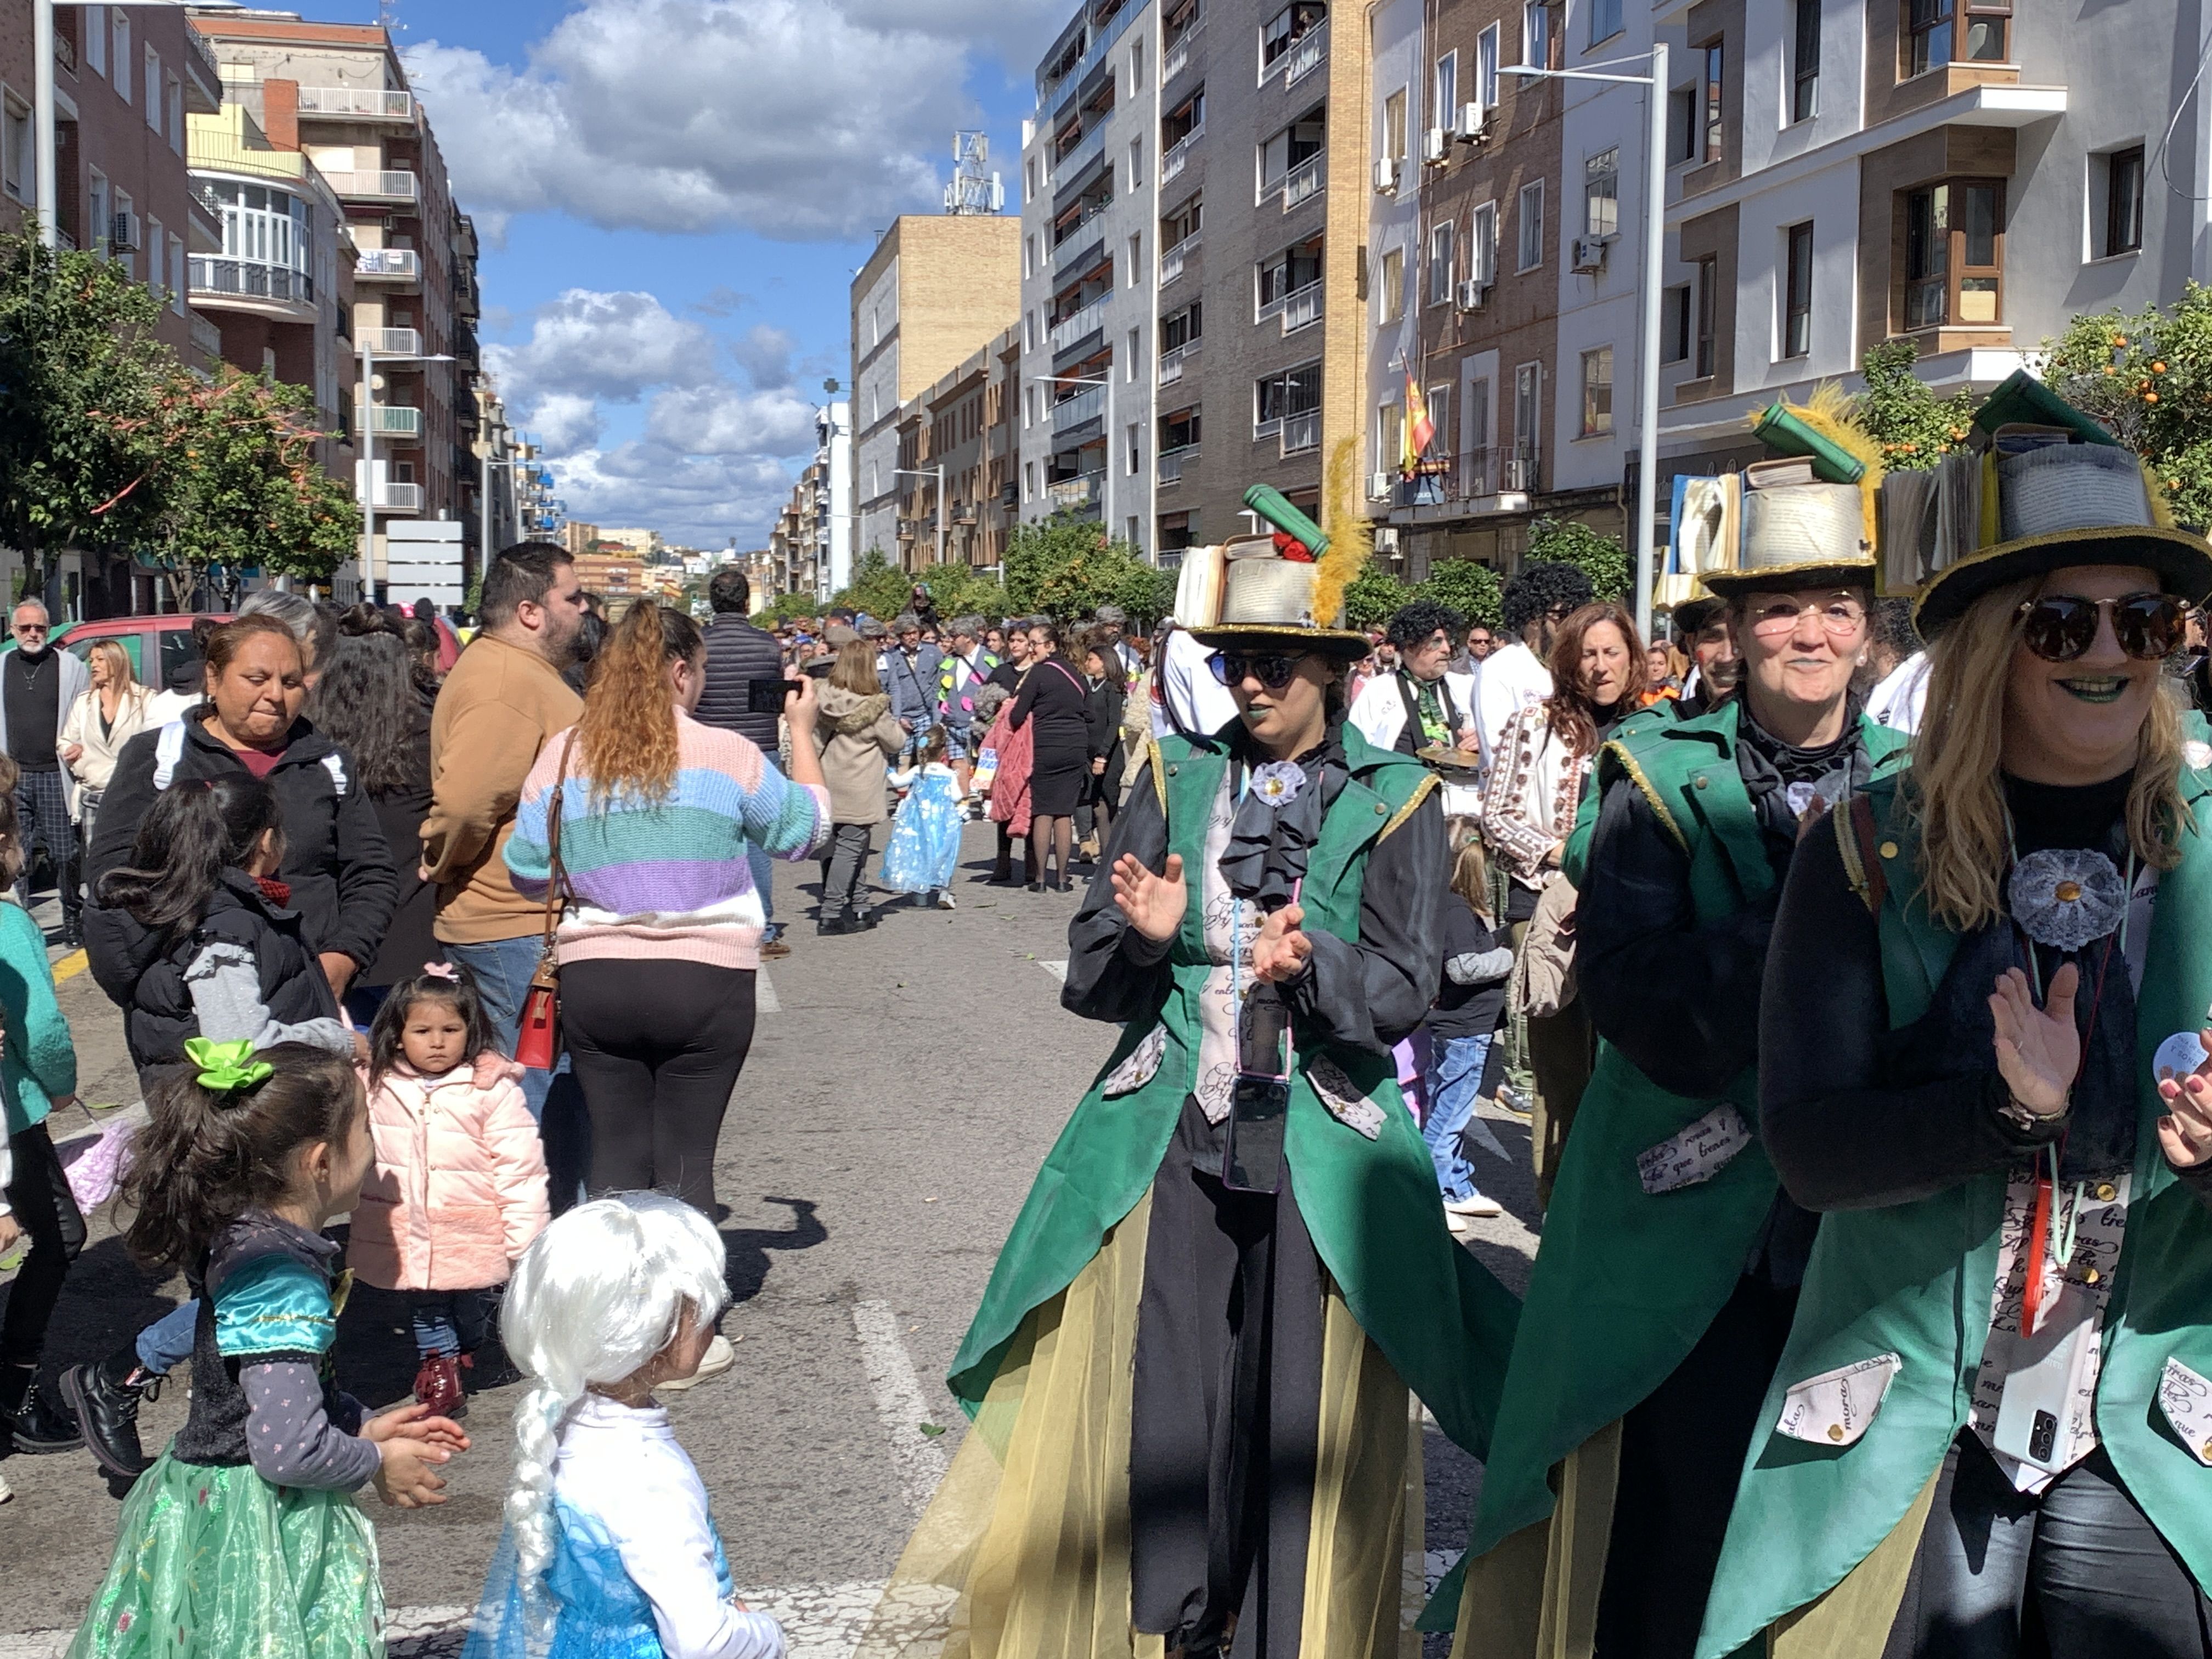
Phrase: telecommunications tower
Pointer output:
(974, 190)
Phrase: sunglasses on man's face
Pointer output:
(2061, 627)
(1274, 671)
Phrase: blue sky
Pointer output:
(674, 195)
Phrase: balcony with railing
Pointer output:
(388, 265)
(1078, 325)
(391, 342)
(378, 186)
(1173, 461)
(1302, 308)
(1178, 153)
(1173, 359)
(1171, 262)
(1178, 56)
(1083, 241)
(399, 498)
(207, 336)
(1302, 432)
(388, 420)
(1303, 182)
(271, 288)
(1307, 53)
(1056, 91)
(1078, 155)
(1085, 489)
(1088, 403)
(358, 103)
(209, 73)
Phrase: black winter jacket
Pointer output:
(736, 652)
(146, 978)
(343, 881)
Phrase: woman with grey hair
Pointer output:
(315, 628)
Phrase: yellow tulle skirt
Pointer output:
(1023, 1553)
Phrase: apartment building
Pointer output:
(1465, 280)
(1968, 175)
(799, 542)
(1255, 212)
(280, 291)
(1091, 155)
(338, 94)
(579, 538)
(937, 289)
(961, 431)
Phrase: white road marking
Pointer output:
(1057, 969)
(920, 1459)
(764, 999)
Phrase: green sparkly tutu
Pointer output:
(216, 1561)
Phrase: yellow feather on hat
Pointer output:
(1833, 414)
(1350, 538)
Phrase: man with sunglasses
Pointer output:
(1670, 1262)
(1268, 928)
(1425, 703)
(39, 684)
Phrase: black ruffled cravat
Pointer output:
(1270, 841)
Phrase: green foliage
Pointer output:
(80, 380)
(1467, 587)
(790, 607)
(961, 590)
(238, 483)
(878, 586)
(1064, 567)
(1914, 427)
(1374, 596)
(1610, 567)
(2147, 375)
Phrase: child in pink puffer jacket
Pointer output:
(458, 1188)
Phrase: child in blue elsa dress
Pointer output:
(925, 845)
(611, 1552)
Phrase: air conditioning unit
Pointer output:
(1379, 484)
(1520, 473)
(1589, 255)
(1386, 174)
(1474, 123)
(1436, 145)
(1386, 540)
(122, 237)
(1473, 295)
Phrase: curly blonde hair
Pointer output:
(626, 741)
(1955, 790)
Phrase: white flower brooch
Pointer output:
(2064, 897)
(1278, 783)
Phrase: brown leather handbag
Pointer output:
(537, 1042)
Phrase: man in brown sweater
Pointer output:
(504, 700)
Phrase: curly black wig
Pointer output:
(1542, 588)
(1415, 623)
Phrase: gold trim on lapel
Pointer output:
(1650, 793)
(1420, 794)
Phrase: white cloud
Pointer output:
(563, 423)
(701, 500)
(796, 119)
(764, 354)
(611, 345)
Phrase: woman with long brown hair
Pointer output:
(659, 936)
(858, 735)
(1536, 771)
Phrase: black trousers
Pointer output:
(656, 1048)
(46, 1210)
(42, 819)
(1681, 1453)
(2075, 1572)
(1226, 1410)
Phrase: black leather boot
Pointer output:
(106, 1398)
(37, 1424)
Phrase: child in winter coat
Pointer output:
(195, 938)
(925, 845)
(458, 1188)
(611, 1548)
(1469, 998)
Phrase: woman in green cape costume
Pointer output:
(1987, 1434)
(1190, 1389)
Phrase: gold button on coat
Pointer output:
(2107, 1192)
(1889, 849)
(1835, 1431)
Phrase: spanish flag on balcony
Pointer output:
(1419, 430)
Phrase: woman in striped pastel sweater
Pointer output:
(660, 937)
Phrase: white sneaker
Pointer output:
(1474, 1204)
(719, 1358)
(945, 902)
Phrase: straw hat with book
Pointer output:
(1805, 519)
(1277, 592)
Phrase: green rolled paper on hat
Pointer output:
(1271, 505)
(1785, 433)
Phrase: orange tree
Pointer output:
(2147, 375)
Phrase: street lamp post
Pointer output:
(1106, 494)
(938, 473)
(370, 356)
(1654, 272)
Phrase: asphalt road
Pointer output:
(897, 1104)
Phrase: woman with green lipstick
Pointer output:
(1990, 1431)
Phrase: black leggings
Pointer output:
(657, 1047)
(44, 1208)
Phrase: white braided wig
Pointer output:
(595, 1296)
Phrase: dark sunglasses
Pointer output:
(2059, 627)
(1274, 671)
